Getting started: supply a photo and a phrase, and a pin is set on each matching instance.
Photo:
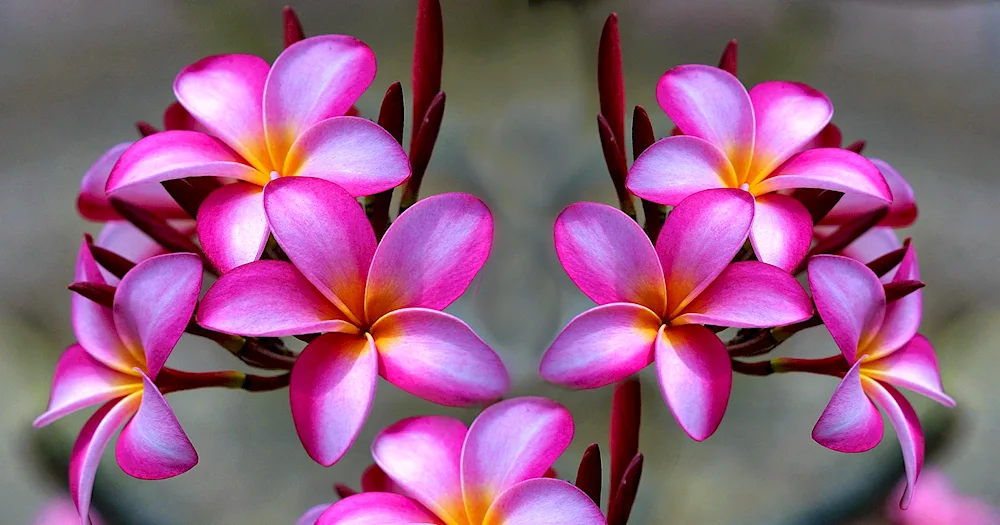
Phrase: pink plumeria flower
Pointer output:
(936, 502)
(94, 204)
(883, 349)
(268, 122)
(119, 353)
(62, 511)
(736, 139)
(381, 301)
(653, 301)
(487, 474)
(902, 210)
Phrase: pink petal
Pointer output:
(437, 357)
(232, 226)
(332, 389)
(828, 169)
(154, 303)
(904, 420)
(225, 93)
(80, 381)
(902, 211)
(749, 294)
(850, 422)
(601, 346)
(429, 255)
(829, 137)
(89, 446)
(93, 202)
(709, 103)
(902, 316)
(377, 508)
(850, 300)
(693, 368)
(128, 241)
(608, 256)
(374, 479)
(325, 232)
(61, 511)
(311, 516)
(675, 167)
(873, 244)
(152, 445)
(423, 455)
(914, 366)
(699, 239)
(357, 154)
(94, 324)
(175, 117)
(782, 230)
(312, 80)
(548, 501)
(787, 115)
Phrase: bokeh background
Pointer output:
(917, 79)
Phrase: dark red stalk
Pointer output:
(421, 149)
(857, 146)
(617, 167)
(145, 128)
(100, 293)
(428, 59)
(620, 506)
(588, 475)
(626, 416)
(844, 235)
(293, 28)
(727, 62)
(189, 193)
(610, 82)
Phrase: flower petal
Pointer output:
(312, 80)
(437, 357)
(902, 316)
(850, 300)
(695, 377)
(782, 230)
(675, 167)
(914, 366)
(332, 389)
(429, 255)
(93, 203)
(601, 346)
(829, 137)
(232, 226)
(355, 153)
(423, 455)
(123, 238)
(548, 501)
(311, 516)
(850, 422)
(175, 117)
(749, 294)
(90, 444)
(374, 479)
(153, 445)
(828, 169)
(902, 211)
(377, 508)
(94, 324)
(81, 381)
(788, 115)
(904, 420)
(873, 244)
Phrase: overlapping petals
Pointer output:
(902, 209)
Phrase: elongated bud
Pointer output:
(620, 506)
(610, 84)
(588, 475)
(626, 416)
(617, 167)
(883, 264)
(100, 293)
(727, 62)
(145, 128)
(857, 146)
(293, 28)
(428, 60)
(897, 290)
(421, 149)
(111, 261)
(390, 117)
(643, 137)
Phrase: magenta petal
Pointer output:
(904, 420)
(675, 167)
(788, 115)
(782, 230)
(81, 381)
(94, 324)
(311, 516)
(90, 444)
(914, 366)
(374, 479)
(232, 226)
(123, 238)
(601, 346)
(152, 445)
(902, 211)
(332, 389)
(377, 508)
(93, 202)
(828, 169)
(548, 501)
(692, 366)
(902, 316)
(875, 243)
(850, 300)
(437, 357)
(850, 422)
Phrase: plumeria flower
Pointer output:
(381, 304)
(487, 474)
(937, 502)
(883, 349)
(267, 122)
(736, 139)
(902, 210)
(116, 361)
(654, 301)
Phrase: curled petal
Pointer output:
(827, 169)
(90, 444)
(152, 445)
(850, 422)
(94, 324)
(93, 203)
(787, 115)
(377, 508)
(904, 420)
(914, 366)
(902, 316)
(81, 381)
(548, 501)
(902, 211)
(782, 230)
(692, 366)
(850, 300)
(232, 226)
(675, 167)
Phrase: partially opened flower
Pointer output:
(753, 141)
(937, 502)
(116, 361)
(268, 122)
(488, 474)
(654, 301)
(902, 210)
(883, 349)
(381, 304)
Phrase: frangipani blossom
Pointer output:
(654, 301)
(381, 304)
(753, 141)
(487, 474)
(267, 122)
(884, 350)
(116, 361)
(937, 502)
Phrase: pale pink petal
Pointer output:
(325, 232)
(311, 516)
(787, 115)
(429, 255)
(154, 303)
(548, 501)
(225, 93)
(782, 230)
(312, 80)
(437, 357)
(850, 422)
(93, 202)
(356, 153)
(709, 103)
(749, 294)
(904, 420)
(608, 256)
(675, 167)
(90, 444)
(873, 244)
(695, 377)
(232, 226)
(902, 211)
(423, 455)
(902, 316)
(377, 508)
(153, 445)
(374, 479)
(123, 238)
(914, 366)
(828, 169)
(332, 389)
(601, 346)
(850, 300)
(699, 239)
(93, 324)
(80, 381)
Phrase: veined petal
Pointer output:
(601, 346)
(914, 366)
(782, 230)
(153, 445)
(850, 422)
(332, 389)
(904, 420)
(437, 357)
(81, 381)
(787, 115)
(675, 167)
(94, 324)
(232, 226)
(123, 238)
(850, 300)
(902, 316)
(90, 444)
(902, 211)
(93, 203)
(695, 377)
(377, 508)
(828, 169)
(548, 501)
(430, 254)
